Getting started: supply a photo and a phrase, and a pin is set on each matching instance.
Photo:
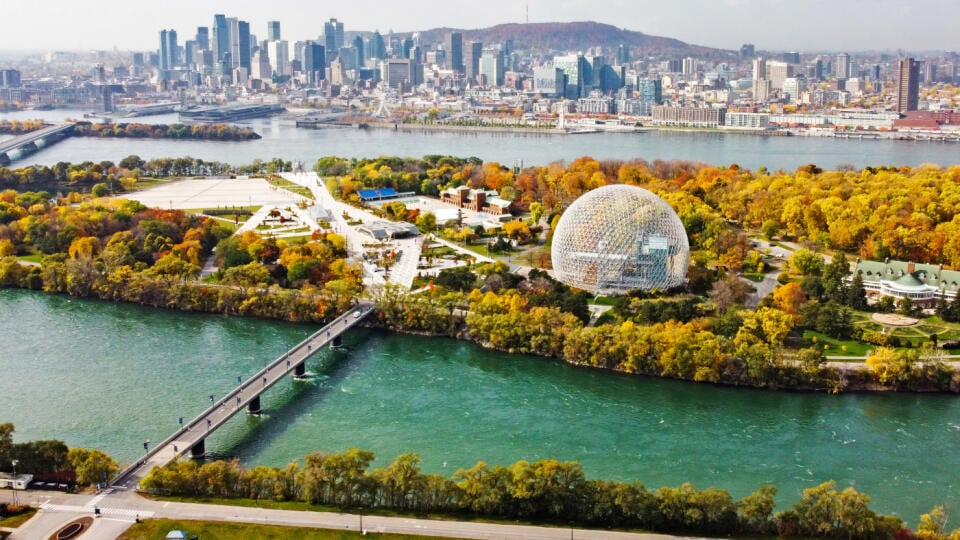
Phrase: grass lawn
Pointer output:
(292, 187)
(754, 276)
(33, 257)
(838, 347)
(150, 529)
(15, 521)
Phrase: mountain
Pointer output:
(572, 36)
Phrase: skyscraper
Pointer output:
(221, 39)
(169, 53)
(908, 85)
(203, 38)
(333, 36)
(843, 66)
(471, 60)
(273, 30)
(358, 46)
(455, 52)
(239, 43)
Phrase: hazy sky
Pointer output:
(804, 25)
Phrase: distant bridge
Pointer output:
(28, 141)
(245, 397)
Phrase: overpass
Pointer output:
(28, 141)
(190, 437)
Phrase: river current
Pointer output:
(112, 375)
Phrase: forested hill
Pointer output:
(571, 36)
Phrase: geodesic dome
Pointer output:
(618, 238)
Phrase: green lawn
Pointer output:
(208, 530)
(838, 347)
(33, 257)
(292, 187)
(15, 521)
(754, 276)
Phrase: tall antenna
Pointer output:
(528, 13)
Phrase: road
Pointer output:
(119, 510)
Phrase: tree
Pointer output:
(756, 510)
(891, 366)
(728, 292)
(427, 222)
(857, 294)
(770, 228)
(834, 278)
(100, 190)
(807, 263)
(91, 466)
(459, 278)
(789, 298)
(536, 212)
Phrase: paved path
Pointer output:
(120, 509)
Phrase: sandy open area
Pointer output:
(213, 193)
(893, 319)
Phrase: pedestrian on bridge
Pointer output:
(211, 398)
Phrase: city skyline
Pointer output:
(851, 25)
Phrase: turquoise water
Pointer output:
(111, 376)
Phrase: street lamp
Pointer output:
(14, 463)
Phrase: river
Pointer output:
(112, 375)
(282, 139)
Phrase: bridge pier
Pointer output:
(198, 450)
(4, 159)
(253, 406)
(300, 370)
(337, 342)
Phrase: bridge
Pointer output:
(28, 141)
(190, 437)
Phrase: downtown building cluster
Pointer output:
(452, 78)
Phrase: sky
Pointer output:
(788, 25)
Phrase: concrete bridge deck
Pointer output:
(33, 136)
(244, 398)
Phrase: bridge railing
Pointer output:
(197, 420)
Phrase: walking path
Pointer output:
(119, 510)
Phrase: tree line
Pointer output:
(120, 250)
(543, 491)
(205, 132)
(53, 459)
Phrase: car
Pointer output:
(356, 315)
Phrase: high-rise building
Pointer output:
(549, 81)
(240, 43)
(397, 72)
(689, 66)
(908, 85)
(455, 52)
(650, 91)
(221, 39)
(491, 66)
(791, 57)
(376, 48)
(279, 53)
(747, 50)
(169, 52)
(575, 67)
(333, 36)
(777, 72)
(358, 46)
(273, 30)
(623, 54)
(759, 68)
(10, 78)
(842, 69)
(312, 59)
(203, 38)
(471, 60)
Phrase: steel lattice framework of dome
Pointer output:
(618, 238)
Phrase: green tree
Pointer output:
(427, 222)
(834, 278)
(536, 212)
(91, 466)
(856, 293)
